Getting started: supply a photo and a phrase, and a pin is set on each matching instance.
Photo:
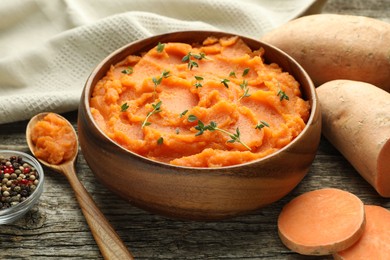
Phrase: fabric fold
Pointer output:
(46, 70)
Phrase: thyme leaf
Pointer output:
(225, 82)
(198, 85)
(245, 72)
(183, 113)
(160, 47)
(124, 107)
(282, 95)
(186, 57)
(192, 64)
(192, 118)
(200, 127)
(128, 70)
(261, 125)
(199, 56)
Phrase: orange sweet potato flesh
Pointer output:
(211, 102)
(54, 140)
(375, 241)
(356, 120)
(321, 222)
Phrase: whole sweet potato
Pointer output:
(356, 120)
(332, 46)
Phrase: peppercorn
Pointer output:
(18, 180)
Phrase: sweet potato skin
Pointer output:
(334, 46)
(356, 120)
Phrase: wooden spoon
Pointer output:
(110, 244)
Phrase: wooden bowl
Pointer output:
(198, 193)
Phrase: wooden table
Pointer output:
(56, 228)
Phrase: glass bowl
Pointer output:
(13, 213)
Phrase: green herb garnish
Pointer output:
(201, 127)
(244, 86)
(157, 81)
(160, 47)
(124, 107)
(225, 82)
(183, 113)
(198, 84)
(128, 70)
(191, 62)
(261, 124)
(232, 74)
(156, 109)
(245, 72)
(199, 56)
(282, 95)
(160, 140)
(192, 118)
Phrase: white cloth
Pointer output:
(49, 47)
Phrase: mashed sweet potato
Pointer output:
(54, 139)
(203, 105)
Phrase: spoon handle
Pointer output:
(108, 241)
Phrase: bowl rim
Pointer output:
(29, 202)
(88, 87)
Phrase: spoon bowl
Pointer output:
(60, 168)
(108, 241)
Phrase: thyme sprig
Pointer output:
(190, 59)
(201, 127)
(197, 83)
(156, 109)
(245, 88)
(157, 81)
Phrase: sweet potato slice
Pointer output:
(356, 120)
(321, 222)
(375, 241)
